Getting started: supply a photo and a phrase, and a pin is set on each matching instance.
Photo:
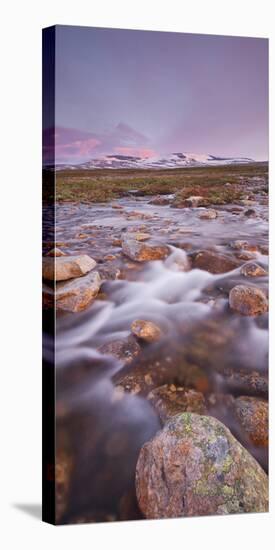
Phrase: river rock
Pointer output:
(248, 202)
(239, 245)
(139, 236)
(252, 414)
(194, 467)
(210, 214)
(160, 200)
(125, 349)
(214, 262)
(245, 255)
(117, 206)
(248, 300)
(78, 294)
(55, 252)
(194, 201)
(169, 400)
(67, 267)
(250, 213)
(253, 270)
(264, 249)
(140, 252)
(146, 331)
(245, 382)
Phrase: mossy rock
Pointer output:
(195, 467)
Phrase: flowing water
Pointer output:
(102, 429)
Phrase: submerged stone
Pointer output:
(169, 400)
(146, 330)
(125, 349)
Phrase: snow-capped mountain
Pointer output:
(174, 160)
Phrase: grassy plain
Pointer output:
(210, 182)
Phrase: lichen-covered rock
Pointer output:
(253, 270)
(214, 262)
(141, 252)
(195, 467)
(78, 294)
(67, 267)
(169, 400)
(248, 300)
(125, 349)
(146, 331)
(252, 414)
(210, 214)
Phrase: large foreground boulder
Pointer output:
(77, 294)
(195, 467)
(141, 252)
(62, 268)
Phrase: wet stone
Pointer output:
(214, 262)
(78, 294)
(55, 252)
(243, 382)
(253, 270)
(194, 201)
(67, 267)
(252, 414)
(250, 213)
(146, 330)
(248, 300)
(170, 399)
(160, 200)
(194, 467)
(124, 349)
(141, 252)
(210, 214)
